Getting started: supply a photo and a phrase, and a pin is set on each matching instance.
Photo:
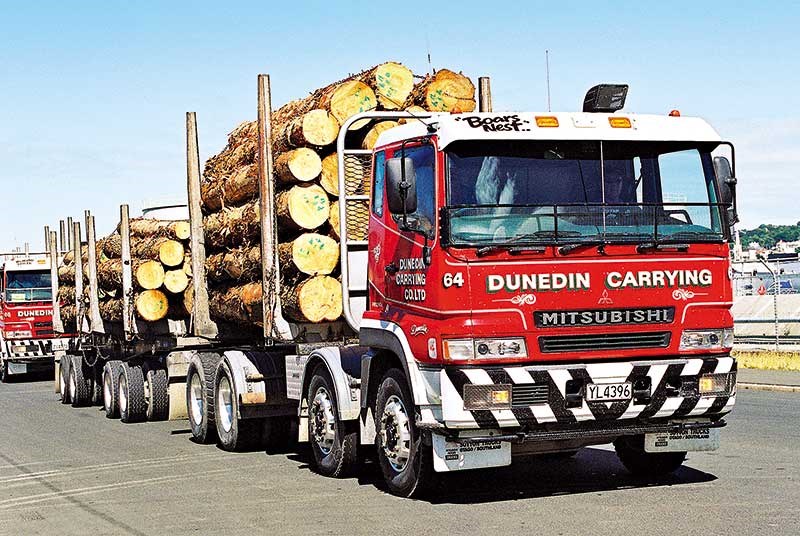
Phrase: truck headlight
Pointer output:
(468, 349)
(716, 384)
(707, 339)
(494, 396)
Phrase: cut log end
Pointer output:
(320, 128)
(393, 84)
(329, 177)
(298, 165)
(152, 305)
(176, 281)
(171, 253)
(150, 275)
(318, 299)
(304, 207)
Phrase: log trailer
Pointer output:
(27, 341)
(514, 284)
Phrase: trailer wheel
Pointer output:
(97, 385)
(80, 387)
(406, 463)
(111, 372)
(5, 377)
(157, 394)
(65, 361)
(234, 434)
(335, 447)
(132, 406)
(630, 450)
(200, 396)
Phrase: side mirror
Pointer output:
(401, 185)
(726, 183)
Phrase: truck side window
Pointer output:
(424, 157)
(377, 191)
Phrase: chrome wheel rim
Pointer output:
(225, 404)
(395, 431)
(323, 421)
(196, 402)
(107, 395)
(73, 384)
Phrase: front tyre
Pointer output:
(335, 448)
(406, 462)
(630, 450)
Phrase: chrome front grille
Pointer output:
(604, 341)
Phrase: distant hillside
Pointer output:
(768, 235)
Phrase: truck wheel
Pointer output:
(234, 434)
(406, 462)
(630, 450)
(200, 396)
(111, 372)
(80, 388)
(335, 447)
(65, 361)
(97, 385)
(157, 395)
(5, 377)
(132, 406)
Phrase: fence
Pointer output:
(766, 308)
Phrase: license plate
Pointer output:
(608, 392)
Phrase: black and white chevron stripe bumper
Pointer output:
(30, 349)
(549, 385)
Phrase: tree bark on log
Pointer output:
(151, 305)
(234, 189)
(310, 254)
(333, 220)
(444, 91)
(66, 295)
(112, 246)
(232, 226)
(302, 207)
(237, 304)
(317, 299)
(66, 274)
(241, 149)
(294, 127)
(111, 310)
(149, 227)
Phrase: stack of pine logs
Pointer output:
(161, 269)
(307, 190)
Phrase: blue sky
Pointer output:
(93, 94)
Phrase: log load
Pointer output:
(445, 91)
(151, 305)
(149, 227)
(333, 220)
(317, 299)
(295, 126)
(302, 207)
(111, 310)
(66, 295)
(69, 315)
(233, 189)
(232, 226)
(375, 131)
(170, 252)
(241, 264)
(392, 82)
(66, 274)
(237, 304)
(241, 150)
(111, 246)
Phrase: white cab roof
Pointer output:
(571, 126)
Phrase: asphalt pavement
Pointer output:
(72, 471)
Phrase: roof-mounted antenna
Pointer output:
(428, 50)
(547, 75)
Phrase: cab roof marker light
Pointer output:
(619, 122)
(546, 121)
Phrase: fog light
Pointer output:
(491, 396)
(716, 384)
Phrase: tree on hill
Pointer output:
(768, 235)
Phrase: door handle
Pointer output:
(391, 268)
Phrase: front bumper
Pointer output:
(559, 410)
(31, 350)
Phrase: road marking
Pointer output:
(769, 387)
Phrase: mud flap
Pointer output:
(696, 440)
(466, 454)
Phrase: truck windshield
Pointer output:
(573, 191)
(28, 286)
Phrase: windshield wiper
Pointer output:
(514, 250)
(567, 248)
